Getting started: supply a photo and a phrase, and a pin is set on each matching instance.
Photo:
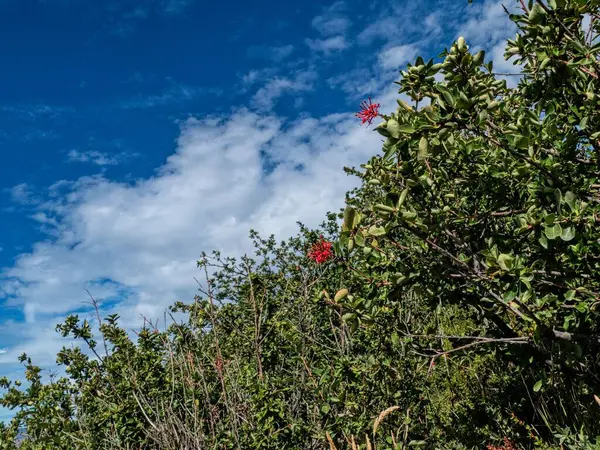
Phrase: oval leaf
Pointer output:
(553, 232)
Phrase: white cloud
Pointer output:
(257, 75)
(487, 24)
(356, 83)
(333, 21)
(385, 28)
(23, 194)
(397, 56)
(267, 95)
(328, 26)
(95, 157)
(329, 45)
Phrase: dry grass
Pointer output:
(368, 444)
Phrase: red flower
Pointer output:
(219, 365)
(321, 251)
(368, 111)
(508, 445)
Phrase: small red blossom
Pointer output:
(219, 365)
(508, 445)
(321, 251)
(368, 111)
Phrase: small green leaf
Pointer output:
(506, 262)
(521, 142)
(423, 149)
(359, 238)
(549, 219)
(390, 152)
(404, 105)
(349, 317)
(537, 386)
(558, 196)
(568, 234)
(349, 217)
(536, 14)
(543, 240)
(393, 128)
(382, 129)
(406, 128)
(492, 105)
(340, 295)
(385, 208)
(509, 296)
(553, 232)
(376, 231)
(402, 198)
(570, 199)
(447, 95)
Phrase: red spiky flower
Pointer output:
(368, 111)
(321, 251)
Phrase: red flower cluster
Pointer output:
(508, 445)
(321, 251)
(368, 111)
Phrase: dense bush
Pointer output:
(461, 288)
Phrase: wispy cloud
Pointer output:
(297, 83)
(122, 18)
(35, 112)
(487, 23)
(329, 45)
(176, 93)
(397, 56)
(257, 75)
(357, 83)
(176, 6)
(23, 194)
(333, 21)
(273, 53)
(332, 24)
(96, 157)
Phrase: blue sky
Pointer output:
(136, 134)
